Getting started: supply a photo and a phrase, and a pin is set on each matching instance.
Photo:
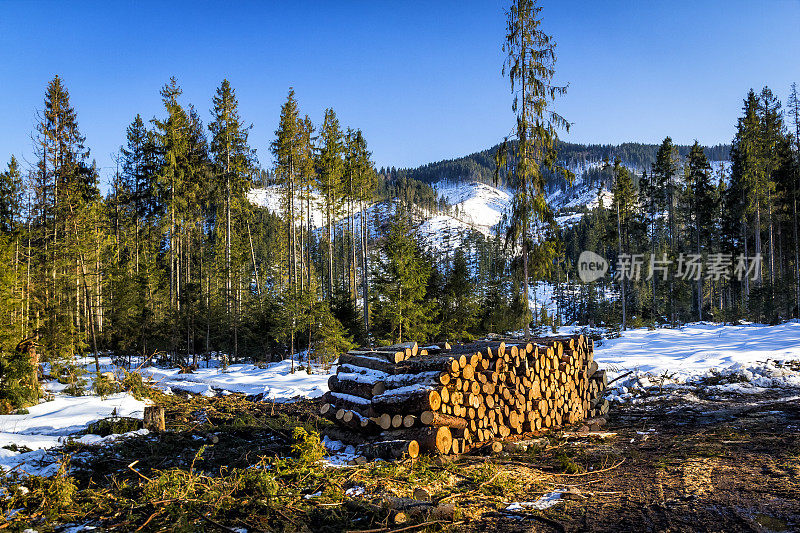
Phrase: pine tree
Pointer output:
(286, 148)
(173, 146)
(530, 64)
(11, 197)
(232, 158)
(793, 107)
(330, 170)
(625, 203)
(459, 305)
(703, 206)
(747, 175)
(400, 282)
(63, 183)
(771, 134)
(664, 173)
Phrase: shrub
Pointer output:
(19, 384)
(103, 386)
(307, 446)
(134, 384)
(114, 426)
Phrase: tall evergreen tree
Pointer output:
(400, 281)
(703, 207)
(793, 107)
(233, 164)
(330, 171)
(530, 64)
(11, 197)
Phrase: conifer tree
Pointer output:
(703, 206)
(62, 179)
(233, 161)
(330, 170)
(11, 197)
(664, 172)
(286, 148)
(793, 107)
(625, 203)
(400, 282)
(530, 64)
(173, 146)
(459, 302)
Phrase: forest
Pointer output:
(175, 264)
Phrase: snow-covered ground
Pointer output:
(744, 359)
(52, 423)
(273, 382)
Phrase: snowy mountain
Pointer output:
(471, 207)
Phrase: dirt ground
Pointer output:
(685, 463)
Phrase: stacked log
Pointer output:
(407, 399)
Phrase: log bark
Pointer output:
(430, 439)
(407, 401)
(390, 449)
(346, 401)
(355, 388)
(432, 418)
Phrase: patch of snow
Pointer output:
(545, 502)
(274, 382)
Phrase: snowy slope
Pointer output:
(474, 203)
(271, 197)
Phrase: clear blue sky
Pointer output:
(421, 79)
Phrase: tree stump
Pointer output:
(154, 418)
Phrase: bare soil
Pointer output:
(720, 463)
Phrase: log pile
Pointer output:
(405, 399)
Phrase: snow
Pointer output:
(475, 204)
(52, 423)
(272, 196)
(749, 357)
(274, 381)
(545, 502)
(443, 233)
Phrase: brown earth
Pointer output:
(685, 463)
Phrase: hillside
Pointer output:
(580, 158)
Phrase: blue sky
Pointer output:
(421, 79)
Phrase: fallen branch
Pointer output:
(619, 377)
(131, 467)
(407, 528)
(593, 471)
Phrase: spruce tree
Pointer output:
(233, 163)
(459, 302)
(400, 284)
(703, 207)
(793, 108)
(625, 203)
(286, 148)
(530, 64)
(330, 170)
(11, 197)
